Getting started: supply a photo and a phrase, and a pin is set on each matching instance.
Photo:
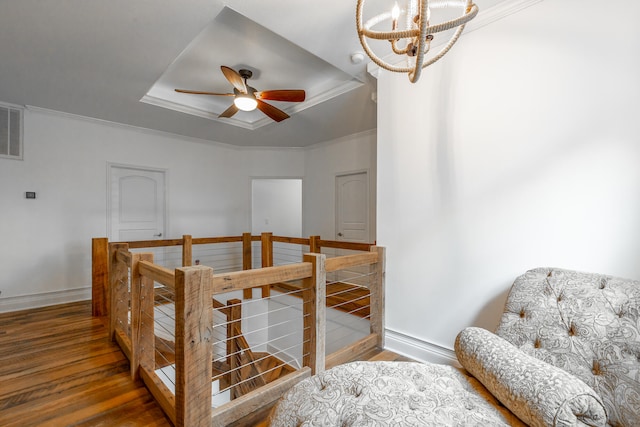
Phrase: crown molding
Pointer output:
(312, 101)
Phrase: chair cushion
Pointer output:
(587, 324)
(390, 394)
(540, 394)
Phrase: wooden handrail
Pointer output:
(337, 244)
(141, 244)
(100, 257)
(159, 274)
(292, 240)
(239, 280)
(347, 261)
(212, 240)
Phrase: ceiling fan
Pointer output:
(247, 98)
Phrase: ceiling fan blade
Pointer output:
(234, 78)
(229, 111)
(275, 113)
(198, 92)
(289, 95)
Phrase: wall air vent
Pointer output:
(10, 132)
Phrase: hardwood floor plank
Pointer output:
(59, 368)
(385, 355)
(33, 387)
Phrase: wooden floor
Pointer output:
(58, 368)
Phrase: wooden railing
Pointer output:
(134, 284)
(100, 256)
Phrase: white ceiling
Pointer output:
(119, 60)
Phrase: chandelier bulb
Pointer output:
(395, 12)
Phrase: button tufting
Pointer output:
(596, 369)
(522, 313)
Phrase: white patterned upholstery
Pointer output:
(390, 394)
(587, 324)
(566, 353)
(538, 393)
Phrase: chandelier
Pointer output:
(412, 32)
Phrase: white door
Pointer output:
(137, 204)
(352, 207)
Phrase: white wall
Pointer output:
(325, 161)
(519, 149)
(46, 256)
(277, 207)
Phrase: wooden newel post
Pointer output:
(247, 263)
(314, 295)
(118, 288)
(314, 244)
(100, 276)
(187, 250)
(377, 295)
(267, 258)
(194, 329)
(142, 302)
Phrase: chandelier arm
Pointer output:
(414, 75)
(403, 34)
(378, 61)
(363, 33)
(396, 50)
(366, 47)
(454, 38)
(446, 48)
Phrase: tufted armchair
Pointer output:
(586, 324)
(566, 353)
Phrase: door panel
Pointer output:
(352, 222)
(137, 204)
(352, 207)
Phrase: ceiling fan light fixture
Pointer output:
(247, 98)
(245, 102)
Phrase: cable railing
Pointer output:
(211, 348)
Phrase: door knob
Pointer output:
(157, 235)
(340, 234)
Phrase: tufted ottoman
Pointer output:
(391, 394)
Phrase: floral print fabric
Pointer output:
(538, 393)
(587, 324)
(401, 394)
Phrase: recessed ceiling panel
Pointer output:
(238, 42)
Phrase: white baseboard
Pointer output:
(24, 302)
(419, 350)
